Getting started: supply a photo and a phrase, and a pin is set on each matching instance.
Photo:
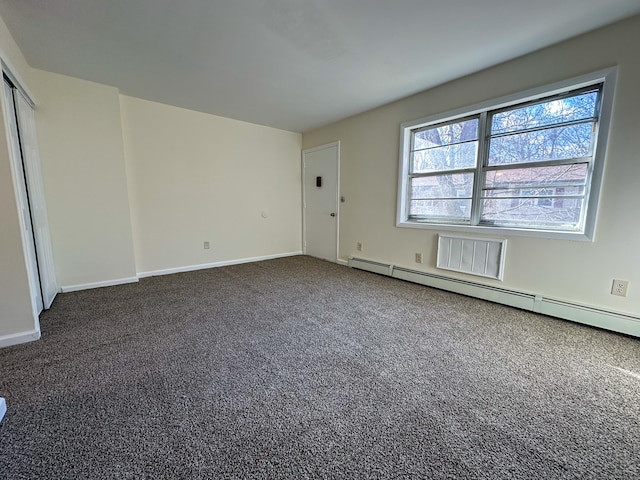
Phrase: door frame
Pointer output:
(337, 199)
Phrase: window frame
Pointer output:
(482, 110)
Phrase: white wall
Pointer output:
(82, 155)
(16, 315)
(195, 177)
(561, 269)
(188, 177)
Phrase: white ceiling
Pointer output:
(289, 64)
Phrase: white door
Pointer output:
(35, 188)
(23, 201)
(321, 167)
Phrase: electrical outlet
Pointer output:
(619, 288)
(207, 245)
(359, 246)
(418, 258)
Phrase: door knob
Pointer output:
(333, 214)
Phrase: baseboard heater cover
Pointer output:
(498, 295)
(371, 266)
(595, 317)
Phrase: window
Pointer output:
(530, 164)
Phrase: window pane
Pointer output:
(552, 176)
(547, 113)
(536, 192)
(450, 157)
(550, 213)
(572, 141)
(444, 210)
(448, 134)
(458, 185)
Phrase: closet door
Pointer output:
(35, 188)
(23, 200)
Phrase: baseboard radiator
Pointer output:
(627, 324)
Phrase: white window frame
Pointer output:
(607, 77)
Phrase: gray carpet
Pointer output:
(297, 368)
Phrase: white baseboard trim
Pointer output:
(343, 262)
(18, 338)
(589, 315)
(224, 263)
(3, 408)
(105, 283)
(167, 271)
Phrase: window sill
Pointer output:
(497, 231)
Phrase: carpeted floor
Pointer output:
(298, 368)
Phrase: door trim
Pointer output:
(304, 195)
